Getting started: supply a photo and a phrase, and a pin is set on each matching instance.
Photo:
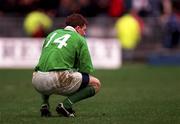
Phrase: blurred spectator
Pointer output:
(25, 6)
(7, 6)
(144, 8)
(127, 5)
(1, 7)
(37, 24)
(141, 6)
(49, 6)
(88, 8)
(18, 7)
(139, 20)
(171, 20)
(155, 8)
(172, 32)
(116, 8)
(102, 7)
(176, 6)
(67, 7)
(92, 8)
(128, 31)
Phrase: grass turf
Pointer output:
(134, 94)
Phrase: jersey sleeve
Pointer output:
(85, 64)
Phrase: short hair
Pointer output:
(76, 20)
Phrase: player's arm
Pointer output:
(85, 62)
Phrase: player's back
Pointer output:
(60, 51)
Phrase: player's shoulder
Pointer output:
(76, 35)
(55, 31)
(80, 37)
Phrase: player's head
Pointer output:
(78, 22)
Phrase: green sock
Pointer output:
(45, 99)
(78, 96)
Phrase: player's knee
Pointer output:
(98, 85)
(94, 82)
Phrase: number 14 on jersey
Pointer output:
(60, 41)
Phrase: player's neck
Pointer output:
(70, 28)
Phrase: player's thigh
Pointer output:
(69, 82)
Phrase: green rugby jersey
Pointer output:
(65, 49)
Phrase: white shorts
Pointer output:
(62, 82)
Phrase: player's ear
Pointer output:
(77, 28)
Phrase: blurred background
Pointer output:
(147, 30)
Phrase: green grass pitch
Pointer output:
(133, 94)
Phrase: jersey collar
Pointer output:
(70, 28)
